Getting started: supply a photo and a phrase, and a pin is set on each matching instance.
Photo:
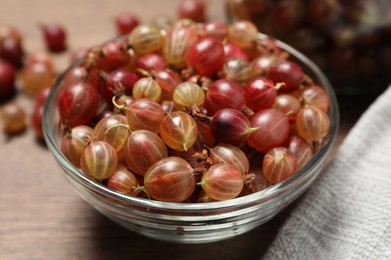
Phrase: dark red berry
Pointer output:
(55, 37)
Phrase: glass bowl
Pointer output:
(193, 222)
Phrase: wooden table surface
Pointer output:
(41, 217)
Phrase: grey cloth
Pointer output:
(346, 214)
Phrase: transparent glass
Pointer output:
(193, 222)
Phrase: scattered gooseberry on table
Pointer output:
(125, 22)
(36, 121)
(13, 116)
(7, 79)
(12, 51)
(192, 9)
(55, 37)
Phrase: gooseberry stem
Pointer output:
(279, 85)
(195, 112)
(139, 188)
(248, 112)
(120, 107)
(252, 129)
(248, 178)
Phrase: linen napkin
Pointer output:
(346, 214)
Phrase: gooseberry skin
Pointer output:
(204, 136)
(123, 181)
(142, 149)
(125, 22)
(147, 88)
(236, 69)
(118, 82)
(7, 79)
(170, 179)
(146, 38)
(145, 114)
(260, 182)
(188, 94)
(36, 121)
(260, 93)
(109, 131)
(206, 55)
(312, 123)
(12, 51)
(216, 29)
(178, 41)
(230, 126)
(242, 33)
(36, 76)
(168, 80)
(9, 31)
(98, 160)
(168, 106)
(192, 9)
(13, 116)
(78, 74)
(78, 104)
(301, 149)
(222, 181)
(278, 164)
(55, 37)
(41, 96)
(178, 130)
(316, 96)
(230, 154)
(261, 64)
(232, 51)
(273, 129)
(224, 93)
(73, 143)
(288, 104)
(110, 56)
(152, 62)
(286, 72)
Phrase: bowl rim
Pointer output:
(249, 199)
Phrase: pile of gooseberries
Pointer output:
(192, 112)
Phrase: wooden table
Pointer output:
(41, 217)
